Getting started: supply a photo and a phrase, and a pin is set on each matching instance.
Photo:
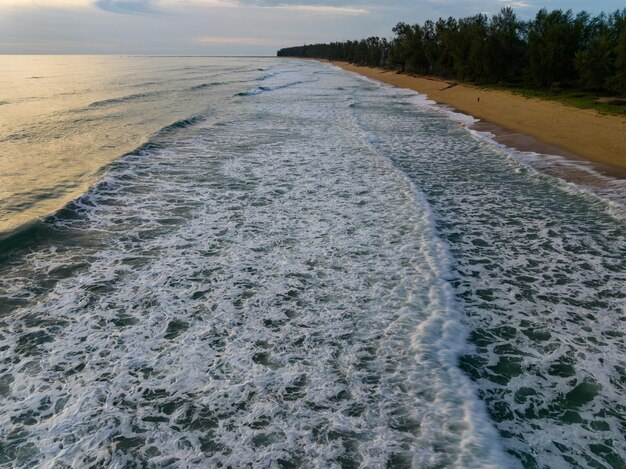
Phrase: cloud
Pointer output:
(236, 41)
(345, 7)
(325, 3)
(47, 3)
(129, 7)
(200, 27)
(142, 7)
(321, 9)
(515, 3)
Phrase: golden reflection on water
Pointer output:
(56, 134)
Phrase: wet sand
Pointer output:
(526, 124)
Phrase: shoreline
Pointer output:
(524, 124)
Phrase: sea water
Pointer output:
(295, 267)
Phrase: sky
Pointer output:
(227, 27)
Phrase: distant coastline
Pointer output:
(555, 128)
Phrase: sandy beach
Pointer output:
(523, 123)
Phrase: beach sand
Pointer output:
(524, 123)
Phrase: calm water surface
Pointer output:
(63, 118)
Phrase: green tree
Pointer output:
(617, 82)
(506, 50)
(555, 46)
(553, 40)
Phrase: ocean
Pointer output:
(245, 262)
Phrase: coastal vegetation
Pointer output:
(555, 52)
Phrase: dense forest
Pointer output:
(555, 49)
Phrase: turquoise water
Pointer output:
(310, 269)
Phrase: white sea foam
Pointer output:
(591, 181)
(419, 99)
(270, 290)
(539, 267)
(422, 100)
(443, 333)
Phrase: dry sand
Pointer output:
(524, 123)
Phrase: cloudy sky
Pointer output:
(226, 27)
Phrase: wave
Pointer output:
(20, 238)
(443, 334)
(266, 76)
(206, 85)
(182, 124)
(602, 189)
(263, 89)
(307, 266)
(144, 84)
(612, 192)
(536, 272)
(22, 135)
(34, 231)
(123, 99)
(203, 86)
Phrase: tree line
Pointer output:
(555, 49)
